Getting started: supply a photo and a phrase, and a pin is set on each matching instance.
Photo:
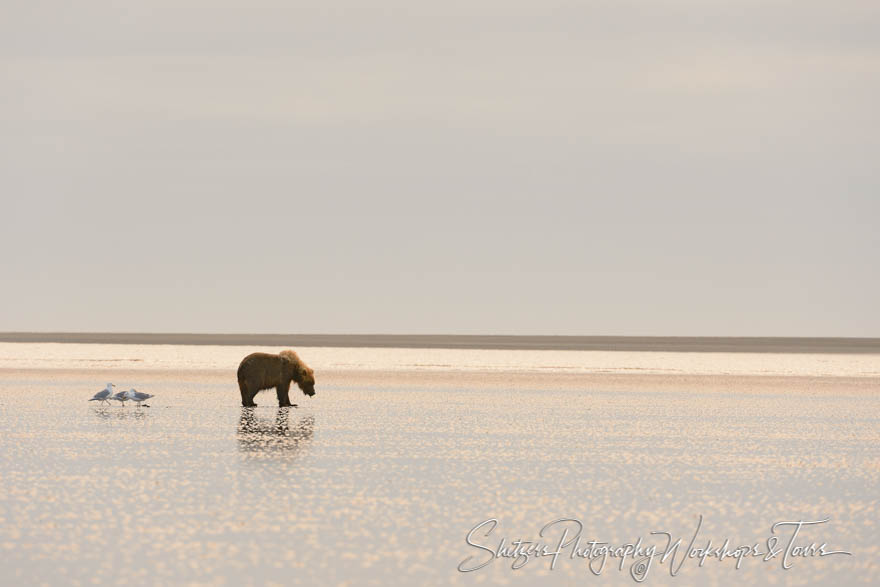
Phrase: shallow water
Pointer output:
(169, 357)
(381, 484)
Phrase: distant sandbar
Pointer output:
(575, 343)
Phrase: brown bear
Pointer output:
(259, 371)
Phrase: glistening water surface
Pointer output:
(322, 359)
(380, 484)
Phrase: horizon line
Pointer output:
(753, 344)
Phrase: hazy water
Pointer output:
(120, 356)
(380, 484)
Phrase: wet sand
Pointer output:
(379, 478)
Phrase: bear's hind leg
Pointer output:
(247, 396)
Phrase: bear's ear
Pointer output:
(305, 374)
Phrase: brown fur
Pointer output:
(259, 371)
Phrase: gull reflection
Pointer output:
(262, 435)
(117, 414)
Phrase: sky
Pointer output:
(620, 167)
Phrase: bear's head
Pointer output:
(306, 380)
(304, 377)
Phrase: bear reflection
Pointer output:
(263, 435)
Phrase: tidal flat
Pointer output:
(379, 478)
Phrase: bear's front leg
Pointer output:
(283, 397)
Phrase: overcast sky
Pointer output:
(547, 167)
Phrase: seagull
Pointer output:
(121, 397)
(137, 397)
(104, 395)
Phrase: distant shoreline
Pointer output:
(702, 344)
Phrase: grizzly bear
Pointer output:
(259, 371)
